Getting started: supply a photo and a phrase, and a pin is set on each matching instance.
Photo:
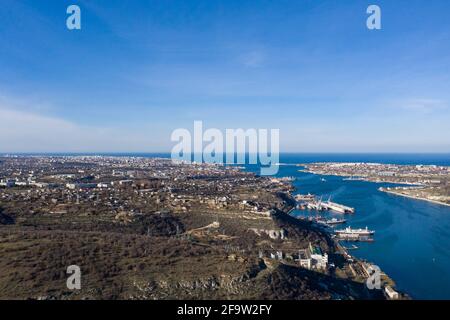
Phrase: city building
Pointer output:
(391, 293)
(313, 258)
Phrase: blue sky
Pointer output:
(137, 70)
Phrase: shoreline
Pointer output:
(414, 197)
(359, 178)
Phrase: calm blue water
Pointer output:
(412, 240)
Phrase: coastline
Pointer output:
(359, 178)
(414, 197)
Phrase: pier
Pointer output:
(328, 205)
(310, 202)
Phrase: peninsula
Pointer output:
(423, 182)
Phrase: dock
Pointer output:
(354, 237)
(328, 205)
(311, 202)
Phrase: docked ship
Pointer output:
(335, 221)
(355, 232)
(330, 222)
(353, 178)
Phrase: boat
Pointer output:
(355, 232)
(352, 247)
(321, 221)
(335, 221)
(353, 179)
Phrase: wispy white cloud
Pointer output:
(28, 131)
(422, 105)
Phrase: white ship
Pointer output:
(355, 232)
(335, 221)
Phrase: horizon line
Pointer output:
(168, 152)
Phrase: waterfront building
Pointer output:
(313, 258)
(319, 259)
(391, 293)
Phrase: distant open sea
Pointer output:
(412, 240)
